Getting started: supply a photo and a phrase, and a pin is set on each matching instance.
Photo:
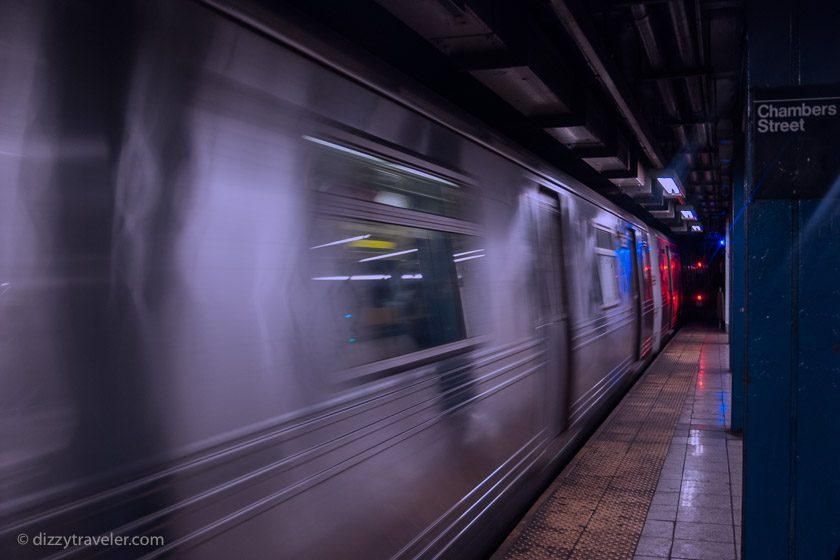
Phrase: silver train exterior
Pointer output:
(263, 298)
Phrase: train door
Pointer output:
(676, 287)
(647, 304)
(552, 322)
(656, 288)
(665, 273)
(671, 300)
(635, 292)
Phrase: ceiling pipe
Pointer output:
(708, 84)
(687, 56)
(598, 66)
(641, 18)
(695, 86)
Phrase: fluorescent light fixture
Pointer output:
(669, 186)
(388, 255)
(462, 259)
(670, 183)
(412, 276)
(340, 241)
(336, 278)
(467, 253)
(689, 215)
(379, 161)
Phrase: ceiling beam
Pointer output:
(575, 21)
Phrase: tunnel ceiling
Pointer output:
(683, 61)
(612, 91)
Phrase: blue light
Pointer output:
(722, 242)
(348, 315)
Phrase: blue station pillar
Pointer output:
(789, 340)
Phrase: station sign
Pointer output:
(796, 142)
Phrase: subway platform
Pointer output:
(660, 478)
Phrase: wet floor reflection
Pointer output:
(698, 497)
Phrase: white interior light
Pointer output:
(340, 241)
(344, 149)
(423, 174)
(398, 253)
(688, 214)
(378, 160)
(462, 259)
(371, 277)
(697, 227)
(357, 277)
(467, 252)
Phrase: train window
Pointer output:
(387, 290)
(607, 267)
(348, 171)
(603, 239)
(608, 273)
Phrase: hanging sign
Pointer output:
(796, 142)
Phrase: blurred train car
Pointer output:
(263, 298)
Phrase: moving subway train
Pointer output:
(262, 298)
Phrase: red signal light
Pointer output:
(699, 297)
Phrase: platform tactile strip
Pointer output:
(596, 508)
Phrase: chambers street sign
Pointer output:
(796, 142)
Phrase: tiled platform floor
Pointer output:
(659, 479)
(696, 510)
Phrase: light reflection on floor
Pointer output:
(696, 511)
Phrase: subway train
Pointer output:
(263, 297)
